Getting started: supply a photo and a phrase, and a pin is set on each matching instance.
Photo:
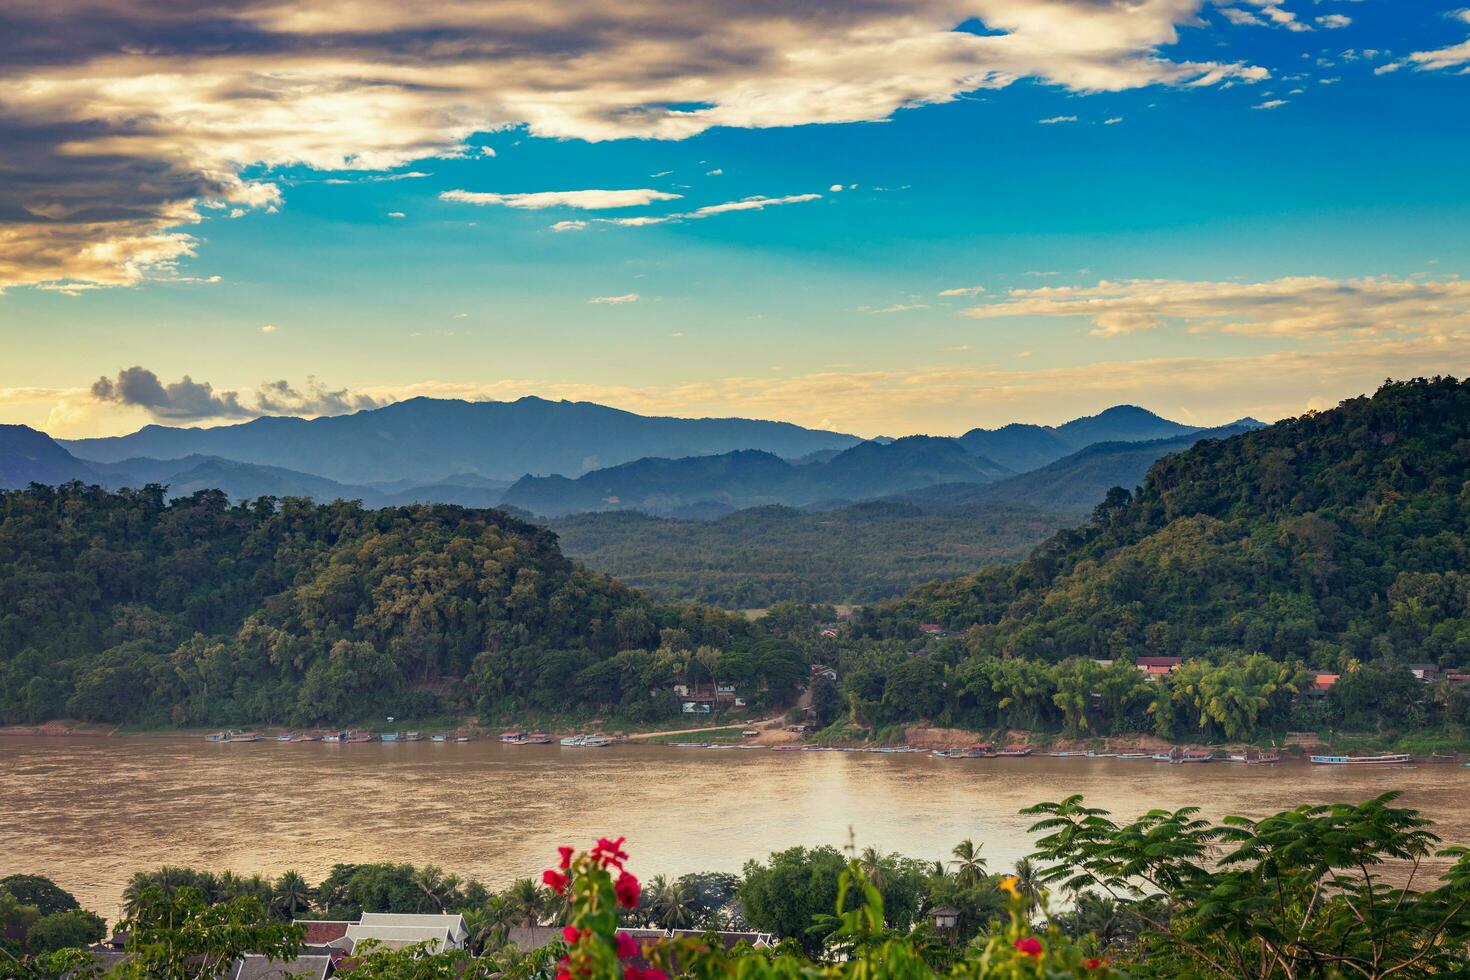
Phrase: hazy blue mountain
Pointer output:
(1021, 447)
(1121, 423)
(28, 456)
(708, 484)
(428, 440)
(239, 481)
(1081, 480)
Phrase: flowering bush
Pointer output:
(598, 886)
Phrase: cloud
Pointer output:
(896, 308)
(1053, 120)
(268, 328)
(396, 214)
(569, 226)
(379, 178)
(281, 398)
(1112, 120)
(963, 291)
(1272, 14)
(182, 400)
(1332, 22)
(1454, 56)
(756, 203)
(188, 400)
(581, 200)
(1296, 306)
(718, 171)
(835, 188)
(1270, 104)
(615, 300)
(123, 118)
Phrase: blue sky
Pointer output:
(1279, 238)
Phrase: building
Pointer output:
(1428, 673)
(1158, 666)
(1456, 678)
(389, 930)
(1322, 683)
(932, 629)
(822, 670)
(253, 966)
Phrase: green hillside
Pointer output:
(1340, 533)
(128, 607)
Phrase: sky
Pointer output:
(877, 216)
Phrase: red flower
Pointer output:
(571, 934)
(626, 946)
(554, 880)
(626, 889)
(1092, 963)
(566, 857)
(1030, 946)
(610, 853)
(631, 972)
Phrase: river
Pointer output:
(87, 812)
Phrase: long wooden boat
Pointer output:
(1014, 751)
(1182, 756)
(1133, 756)
(1394, 759)
(217, 737)
(359, 737)
(243, 737)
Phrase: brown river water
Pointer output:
(89, 811)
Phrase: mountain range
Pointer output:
(427, 440)
(484, 454)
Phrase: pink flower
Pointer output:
(610, 853)
(626, 946)
(1092, 963)
(631, 972)
(571, 934)
(566, 857)
(554, 880)
(1029, 946)
(626, 889)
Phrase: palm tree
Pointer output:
(489, 924)
(709, 659)
(874, 866)
(668, 904)
(1028, 883)
(969, 865)
(437, 888)
(526, 901)
(291, 895)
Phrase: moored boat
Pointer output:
(1181, 756)
(359, 737)
(512, 738)
(335, 737)
(390, 737)
(1393, 759)
(462, 738)
(438, 738)
(1014, 751)
(288, 737)
(1068, 754)
(243, 737)
(413, 737)
(535, 738)
(217, 737)
(1133, 756)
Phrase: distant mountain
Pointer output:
(1081, 480)
(751, 479)
(1018, 446)
(1121, 423)
(1022, 447)
(429, 440)
(28, 456)
(238, 481)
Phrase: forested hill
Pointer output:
(1336, 535)
(127, 607)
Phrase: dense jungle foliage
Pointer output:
(758, 557)
(126, 607)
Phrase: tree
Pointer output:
(73, 928)
(182, 937)
(667, 904)
(291, 896)
(1295, 894)
(709, 659)
(969, 866)
(43, 893)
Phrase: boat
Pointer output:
(689, 745)
(571, 741)
(597, 741)
(1180, 756)
(288, 737)
(413, 737)
(462, 738)
(1255, 757)
(786, 748)
(438, 738)
(1071, 754)
(1395, 759)
(216, 737)
(305, 737)
(1437, 757)
(1161, 757)
(1133, 756)
(1014, 751)
(512, 738)
(390, 737)
(536, 738)
(243, 737)
(335, 737)
(359, 737)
